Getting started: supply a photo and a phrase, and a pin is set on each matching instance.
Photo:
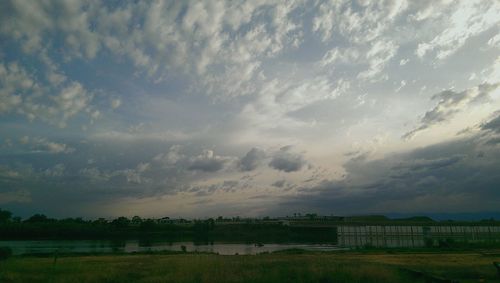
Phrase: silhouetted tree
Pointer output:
(100, 221)
(136, 220)
(37, 218)
(211, 223)
(5, 215)
(121, 222)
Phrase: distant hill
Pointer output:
(472, 216)
(415, 219)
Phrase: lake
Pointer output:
(129, 246)
(387, 236)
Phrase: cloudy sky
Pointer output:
(206, 108)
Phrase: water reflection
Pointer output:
(129, 246)
(347, 236)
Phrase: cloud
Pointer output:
(287, 161)
(279, 184)
(242, 79)
(21, 196)
(450, 103)
(467, 19)
(494, 41)
(207, 162)
(370, 59)
(45, 145)
(30, 23)
(432, 164)
(72, 99)
(157, 37)
(24, 93)
(56, 171)
(15, 82)
(115, 103)
(170, 158)
(252, 159)
(378, 56)
(448, 177)
(225, 186)
(493, 124)
(358, 24)
(58, 147)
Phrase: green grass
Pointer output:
(279, 267)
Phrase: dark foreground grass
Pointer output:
(281, 267)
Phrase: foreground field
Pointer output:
(281, 267)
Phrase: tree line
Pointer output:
(39, 226)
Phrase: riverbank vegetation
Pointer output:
(297, 228)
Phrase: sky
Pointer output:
(249, 108)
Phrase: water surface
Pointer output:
(129, 246)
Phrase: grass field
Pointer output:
(279, 267)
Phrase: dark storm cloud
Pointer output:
(206, 190)
(286, 160)
(252, 159)
(493, 125)
(461, 175)
(450, 103)
(434, 164)
(279, 184)
(34, 181)
(207, 162)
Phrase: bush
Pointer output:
(446, 243)
(5, 252)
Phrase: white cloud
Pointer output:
(45, 145)
(494, 71)
(370, 59)
(469, 18)
(14, 82)
(359, 25)
(71, 100)
(402, 84)
(190, 37)
(53, 147)
(344, 56)
(56, 171)
(115, 103)
(170, 158)
(378, 56)
(24, 94)
(495, 41)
